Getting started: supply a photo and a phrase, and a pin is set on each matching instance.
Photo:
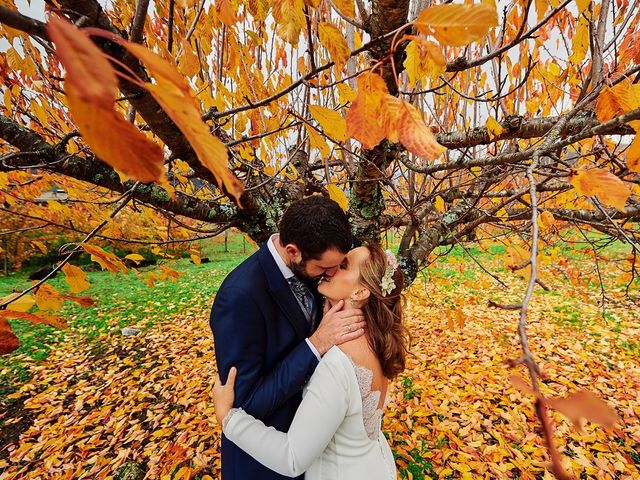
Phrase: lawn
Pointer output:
(88, 401)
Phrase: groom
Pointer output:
(267, 321)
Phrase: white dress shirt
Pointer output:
(287, 274)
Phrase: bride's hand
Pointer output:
(223, 395)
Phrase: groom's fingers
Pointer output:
(333, 309)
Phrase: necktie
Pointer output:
(304, 297)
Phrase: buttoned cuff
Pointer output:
(313, 349)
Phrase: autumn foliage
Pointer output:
(138, 130)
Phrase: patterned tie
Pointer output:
(304, 297)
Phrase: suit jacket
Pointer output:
(259, 327)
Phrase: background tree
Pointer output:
(534, 106)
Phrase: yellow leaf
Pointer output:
(258, 8)
(346, 7)
(424, 60)
(316, 141)
(580, 41)
(415, 135)
(457, 25)
(333, 40)
(196, 259)
(619, 99)
(175, 97)
(336, 194)
(91, 87)
(366, 115)
(41, 246)
(541, 8)
(76, 278)
(609, 189)
(439, 204)
(289, 17)
(345, 93)
(331, 122)
(135, 257)
(582, 5)
(48, 298)
(22, 304)
(494, 129)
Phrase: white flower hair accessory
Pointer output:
(387, 284)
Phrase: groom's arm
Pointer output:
(240, 340)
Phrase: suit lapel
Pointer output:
(281, 292)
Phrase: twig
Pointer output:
(127, 197)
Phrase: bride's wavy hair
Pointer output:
(388, 337)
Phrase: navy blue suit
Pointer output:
(259, 327)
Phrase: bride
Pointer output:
(336, 433)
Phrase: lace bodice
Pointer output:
(371, 413)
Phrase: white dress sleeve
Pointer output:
(318, 417)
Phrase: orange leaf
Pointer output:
(366, 116)
(87, 68)
(546, 220)
(415, 135)
(84, 302)
(76, 278)
(38, 317)
(457, 25)
(8, 340)
(106, 260)
(521, 384)
(174, 95)
(609, 189)
(633, 154)
(91, 87)
(584, 405)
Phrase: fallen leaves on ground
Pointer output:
(91, 407)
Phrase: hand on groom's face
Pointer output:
(337, 327)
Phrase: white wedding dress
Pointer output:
(335, 434)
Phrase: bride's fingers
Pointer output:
(231, 379)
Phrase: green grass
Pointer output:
(121, 300)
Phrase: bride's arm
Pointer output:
(318, 417)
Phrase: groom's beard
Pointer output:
(300, 271)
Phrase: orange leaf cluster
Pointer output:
(375, 115)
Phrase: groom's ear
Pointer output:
(294, 252)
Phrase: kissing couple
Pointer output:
(308, 334)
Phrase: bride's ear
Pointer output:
(360, 295)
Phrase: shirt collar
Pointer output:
(286, 271)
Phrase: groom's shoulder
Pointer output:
(247, 273)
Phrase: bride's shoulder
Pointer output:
(358, 351)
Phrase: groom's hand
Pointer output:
(338, 326)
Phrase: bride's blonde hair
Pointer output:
(388, 337)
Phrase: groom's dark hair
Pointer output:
(315, 224)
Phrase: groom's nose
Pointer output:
(330, 272)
